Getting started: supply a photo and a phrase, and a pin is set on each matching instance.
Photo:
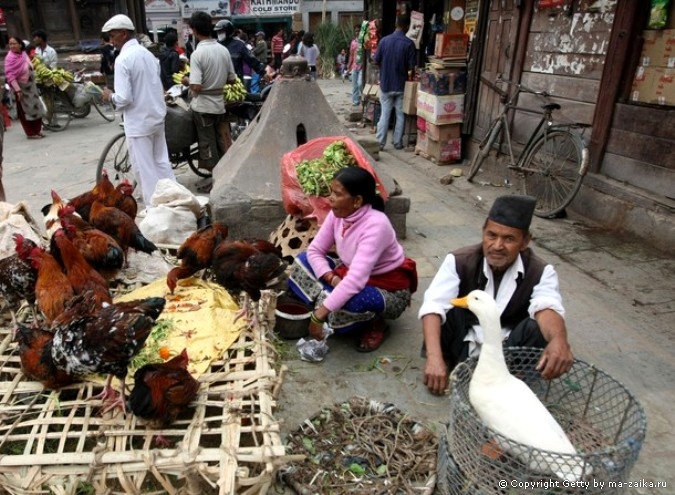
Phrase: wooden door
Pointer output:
(498, 56)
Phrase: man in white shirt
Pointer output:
(524, 286)
(139, 95)
(46, 53)
(210, 69)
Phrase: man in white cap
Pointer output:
(525, 287)
(139, 95)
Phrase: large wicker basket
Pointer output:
(229, 442)
(601, 417)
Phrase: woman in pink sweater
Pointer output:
(371, 280)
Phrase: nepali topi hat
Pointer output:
(513, 211)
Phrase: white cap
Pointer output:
(119, 21)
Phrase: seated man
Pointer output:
(524, 286)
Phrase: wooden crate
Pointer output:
(227, 443)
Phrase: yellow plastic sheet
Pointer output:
(202, 321)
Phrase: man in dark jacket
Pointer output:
(169, 60)
(525, 287)
(239, 53)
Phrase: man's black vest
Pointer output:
(469, 265)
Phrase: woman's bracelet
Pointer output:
(315, 319)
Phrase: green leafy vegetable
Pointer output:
(316, 175)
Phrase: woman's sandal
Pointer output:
(372, 338)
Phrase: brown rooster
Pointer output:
(52, 288)
(35, 352)
(82, 276)
(17, 277)
(100, 250)
(196, 252)
(249, 266)
(105, 342)
(122, 197)
(118, 224)
(82, 203)
(162, 391)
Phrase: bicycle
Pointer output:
(61, 109)
(553, 162)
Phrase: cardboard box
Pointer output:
(440, 110)
(442, 152)
(421, 124)
(446, 82)
(410, 98)
(451, 45)
(664, 87)
(658, 48)
(643, 84)
(443, 132)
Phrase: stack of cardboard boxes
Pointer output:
(440, 101)
(655, 76)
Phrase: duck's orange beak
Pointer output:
(460, 302)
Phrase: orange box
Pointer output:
(643, 84)
(443, 132)
(443, 152)
(451, 45)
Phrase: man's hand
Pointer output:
(556, 359)
(436, 376)
(106, 95)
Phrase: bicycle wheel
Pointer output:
(59, 111)
(192, 159)
(105, 109)
(115, 159)
(484, 149)
(82, 112)
(553, 171)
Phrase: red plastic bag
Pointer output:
(296, 202)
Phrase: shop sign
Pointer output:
(274, 7)
(161, 6)
(214, 8)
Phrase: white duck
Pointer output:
(507, 405)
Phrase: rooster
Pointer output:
(35, 352)
(51, 214)
(105, 342)
(249, 266)
(17, 276)
(118, 224)
(122, 197)
(82, 203)
(53, 290)
(196, 252)
(162, 391)
(81, 275)
(100, 250)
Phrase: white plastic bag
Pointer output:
(174, 216)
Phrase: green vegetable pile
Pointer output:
(316, 175)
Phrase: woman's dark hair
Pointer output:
(19, 41)
(359, 182)
(308, 39)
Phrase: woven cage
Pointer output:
(227, 442)
(602, 419)
(294, 235)
(362, 446)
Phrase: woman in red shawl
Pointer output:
(19, 76)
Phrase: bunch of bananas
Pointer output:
(50, 77)
(234, 92)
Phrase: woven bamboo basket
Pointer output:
(228, 442)
(603, 420)
(294, 235)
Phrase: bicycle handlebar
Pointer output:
(504, 94)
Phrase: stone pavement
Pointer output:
(619, 295)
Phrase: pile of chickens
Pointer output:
(77, 329)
